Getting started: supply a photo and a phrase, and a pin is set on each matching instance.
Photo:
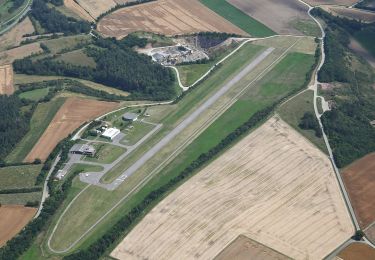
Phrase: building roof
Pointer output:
(130, 116)
(82, 148)
(111, 132)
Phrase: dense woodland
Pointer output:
(117, 65)
(348, 123)
(14, 124)
(309, 122)
(53, 21)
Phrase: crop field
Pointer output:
(279, 202)
(96, 7)
(76, 8)
(168, 17)
(70, 116)
(8, 56)
(15, 177)
(331, 2)
(243, 248)
(292, 112)
(13, 219)
(277, 15)
(360, 183)
(39, 122)
(239, 18)
(356, 251)
(6, 80)
(15, 35)
(351, 13)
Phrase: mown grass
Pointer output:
(40, 120)
(106, 153)
(20, 198)
(292, 112)
(35, 94)
(77, 57)
(239, 18)
(139, 130)
(307, 27)
(16, 177)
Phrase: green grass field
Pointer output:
(292, 112)
(239, 18)
(20, 198)
(139, 130)
(307, 27)
(16, 177)
(191, 73)
(40, 120)
(35, 94)
(5, 15)
(105, 153)
(68, 42)
(77, 57)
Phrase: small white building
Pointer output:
(110, 133)
(60, 174)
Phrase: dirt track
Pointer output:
(6, 80)
(70, 116)
(12, 219)
(286, 202)
(360, 182)
(277, 15)
(169, 17)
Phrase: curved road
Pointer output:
(17, 17)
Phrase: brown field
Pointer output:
(360, 183)
(7, 57)
(243, 248)
(351, 13)
(15, 35)
(273, 187)
(6, 80)
(168, 17)
(96, 7)
(370, 233)
(276, 15)
(331, 2)
(70, 116)
(12, 219)
(357, 251)
(76, 8)
(358, 49)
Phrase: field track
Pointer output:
(70, 116)
(168, 17)
(12, 219)
(360, 183)
(273, 186)
(6, 80)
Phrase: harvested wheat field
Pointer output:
(359, 178)
(331, 2)
(96, 7)
(6, 80)
(243, 248)
(168, 17)
(351, 13)
(12, 219)
(73, 113)
(357, 251)
(76, 8)
(9, 56)
(277, 15)
(273, 187)
(15, 35)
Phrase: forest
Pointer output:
(14, 124)
(54, 22)
(348, 123)
(117, 65)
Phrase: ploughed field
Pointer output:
(168, 17)
(73, 113)
(280, 16)
(351, 13)
(12, 219)
(273, 187)
(331, 2)
(357, 251)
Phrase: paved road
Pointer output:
(45, 193)
(177, 130)
(17, 17)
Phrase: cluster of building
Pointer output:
(173, 55)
